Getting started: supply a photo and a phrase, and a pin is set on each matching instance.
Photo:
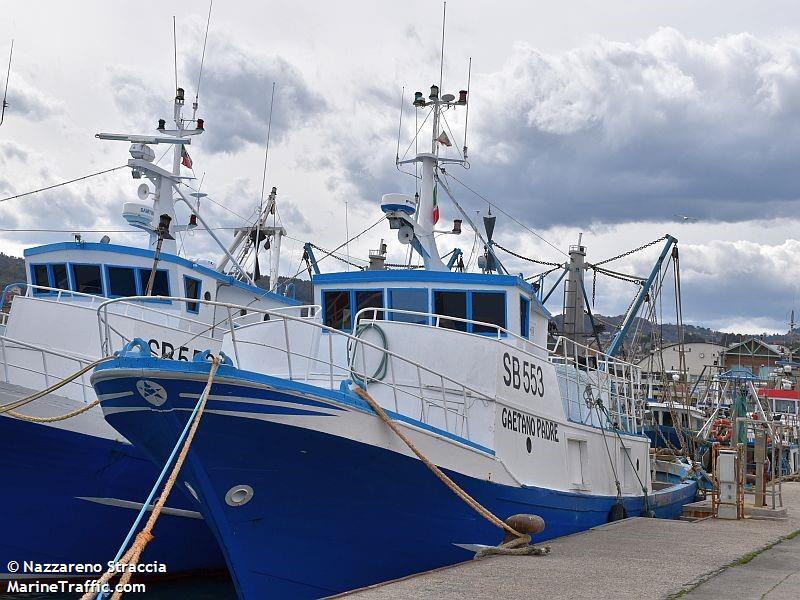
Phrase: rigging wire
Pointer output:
(50, 187)
(499, 209)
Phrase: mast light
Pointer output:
(462, 96)
(418, 99)
(179, 95)
(162, 125)
(200, 124)
(434, 92)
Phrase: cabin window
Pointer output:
(160, 283)
(40, 277)
(489, 307)
(415, 300)
(338, 313)
(370, 299)
(88, 279)
(524, 317)
(191, 288)
(666, 418)
(121, 281)
(451, 304)
(60, 277)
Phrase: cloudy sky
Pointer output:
(608, 119)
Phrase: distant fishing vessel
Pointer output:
(69, 482)
(307, 489)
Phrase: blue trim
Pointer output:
(186, 280)
(168, 258)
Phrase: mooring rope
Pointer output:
(6, 408)
(131, 557)
(469, 500)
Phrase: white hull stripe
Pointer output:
(177, 512)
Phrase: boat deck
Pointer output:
(635, 558)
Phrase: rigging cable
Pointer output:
(499, 209)
(50, 187)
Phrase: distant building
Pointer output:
(753, 355)
(703, 359)
(10, 292)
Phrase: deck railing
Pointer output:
(49, 377)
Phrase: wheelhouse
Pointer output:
(490, 305)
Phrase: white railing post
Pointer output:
(5, 358)
(444, 404)
(44, 367)
(233, 338)
(330, 357)
(288, 349)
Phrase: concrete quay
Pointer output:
(635, 558)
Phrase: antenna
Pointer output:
(175, 50)
(466, 115)
(5, 93)
(263, 182)
(400, 126)
(202, 60)
(441, 60)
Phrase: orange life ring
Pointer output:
(721, 430)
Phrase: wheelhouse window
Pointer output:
(191, 287)
(524, 317)
(415, 300)
(488, 307)
(121, 281)
(338, 313)
(60, 277)
(370, 299)
(88, 279)
(40, 277)
(160, 283)
(451, 304)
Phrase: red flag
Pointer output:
(186, 160)
(444, 140)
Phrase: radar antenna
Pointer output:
(5, 93)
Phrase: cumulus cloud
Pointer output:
(26, 100)
(235, 93)
(613, 132)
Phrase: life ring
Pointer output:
(721, 430)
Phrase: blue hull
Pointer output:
(45, 471)
(331, 514)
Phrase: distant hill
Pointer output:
(12, 270)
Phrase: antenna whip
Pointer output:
(175, 50)
(441, 60)
(5, 93)
(203, 56)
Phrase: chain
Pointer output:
(352, 264)
(533, 260)
(617, 275)
(629, 252)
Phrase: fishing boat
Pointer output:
(70, 481)
(310, 493)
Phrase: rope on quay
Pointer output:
(131, 557)
(518, 545)
(7, 408)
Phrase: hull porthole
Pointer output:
(239, 495)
